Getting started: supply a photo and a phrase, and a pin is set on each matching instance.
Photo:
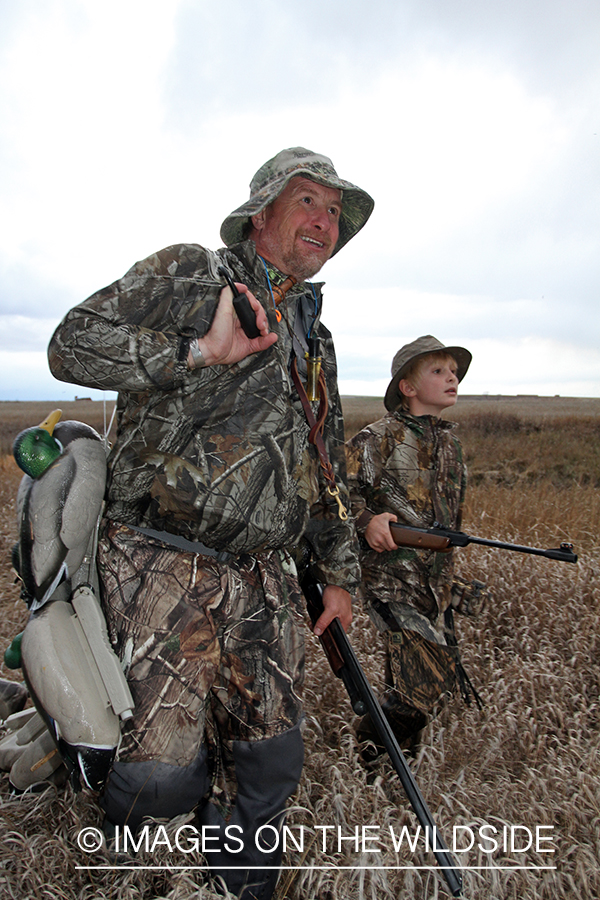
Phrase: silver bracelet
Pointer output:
(197, 358)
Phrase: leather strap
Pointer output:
(316, 434)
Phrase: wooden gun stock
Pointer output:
(419, 538)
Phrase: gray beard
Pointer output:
(299, 268)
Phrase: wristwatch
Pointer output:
(198, 360)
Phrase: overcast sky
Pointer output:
(128, 125)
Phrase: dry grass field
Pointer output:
(530, 758)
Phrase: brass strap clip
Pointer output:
(335, 493)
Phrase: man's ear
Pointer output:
(258, 220)
(406, 388)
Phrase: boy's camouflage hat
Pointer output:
(271, 179)
(409, 353)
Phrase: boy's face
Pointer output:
(435, 387)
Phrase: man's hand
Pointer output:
(226, 342)
(336, 602)
(378, 534)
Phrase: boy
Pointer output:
(408, 468)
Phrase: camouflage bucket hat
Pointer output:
(271, 179)
(407, 354)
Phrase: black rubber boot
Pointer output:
(406, 722)
(267, 773)
(136, 790)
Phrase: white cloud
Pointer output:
(526, 366)
(24, 375)
(82, 124)
(125, 127)
(19, 334)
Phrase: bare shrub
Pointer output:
(359, 412)
(494, 423)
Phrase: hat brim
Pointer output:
(393, 394)
(357, 206)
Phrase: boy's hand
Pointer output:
(378, 534)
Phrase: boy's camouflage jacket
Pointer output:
(220, 454)
(411, 466)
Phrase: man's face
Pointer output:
(299, 230)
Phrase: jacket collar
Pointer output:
(420, 424)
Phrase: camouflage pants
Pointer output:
(214, 653)
(422, 672)
(421, 675)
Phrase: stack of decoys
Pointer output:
(72, 674)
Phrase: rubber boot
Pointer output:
(405, 721)
(267, 773)
(136, 790)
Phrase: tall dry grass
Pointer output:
(15, 416)
(530, 757)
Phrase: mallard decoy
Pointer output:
(58, 503)
(29, 753)
(80, 693)
(13, 697)
(74, 678)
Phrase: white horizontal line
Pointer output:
(323, 868)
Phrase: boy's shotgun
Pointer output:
(442, 539)
(346, 666)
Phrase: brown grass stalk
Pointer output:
(530, 757)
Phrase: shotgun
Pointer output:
(346, 666)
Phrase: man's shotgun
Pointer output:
(442, 539)
(346, 666)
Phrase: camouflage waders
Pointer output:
(214, 654)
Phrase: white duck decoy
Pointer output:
(58, 503)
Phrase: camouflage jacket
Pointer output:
(217, 454)
(413, 467)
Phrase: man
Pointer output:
(213, 479)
